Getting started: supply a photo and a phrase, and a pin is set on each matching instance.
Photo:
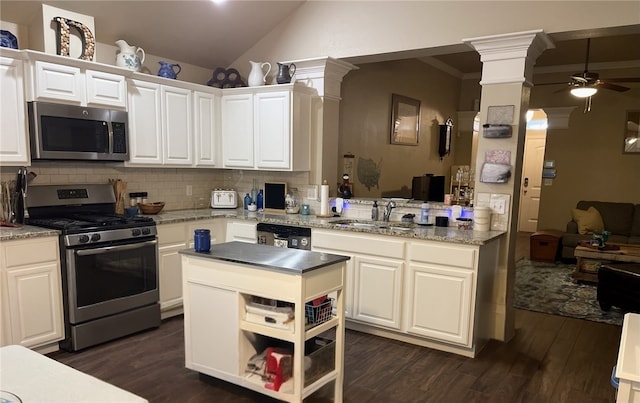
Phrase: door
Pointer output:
(145, 137)
(531, 180)
(237, 131)
(177, 131)
(272, 115)
(377, 293)
(13, 121)
(440, 303)
(206, 126)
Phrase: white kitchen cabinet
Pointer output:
(177, 133)
(374, 278)
(145, 134)
(237, 130)
(439, 302)
(242, 231)
(172, 125)
(75, 85)
(377, 293)
(430, 293)
(267, 127)
(14, 146)
(206, 129)
(172, 238)
(31, 293)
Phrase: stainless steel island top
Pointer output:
(295, 261)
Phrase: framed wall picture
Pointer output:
(405, 120)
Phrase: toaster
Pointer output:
(224, 198)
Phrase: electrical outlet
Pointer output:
(189, 190)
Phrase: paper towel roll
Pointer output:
(481, 218)
(324, 198)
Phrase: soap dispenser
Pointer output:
(374, 211)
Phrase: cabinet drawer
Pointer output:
(359, 243)
(171, 233)
(460, 256)
(20, 253)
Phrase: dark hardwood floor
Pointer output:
(550, 359)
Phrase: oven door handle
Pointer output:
(106, 249)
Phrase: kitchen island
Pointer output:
(223, 290)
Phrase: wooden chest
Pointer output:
(544, 245)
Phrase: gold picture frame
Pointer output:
(632, 133)
(405, 120)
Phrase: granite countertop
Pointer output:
(433, 233)
(294, 261)
(25, 232)
(443, 234)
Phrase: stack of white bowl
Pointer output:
(481, 218)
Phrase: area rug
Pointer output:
(549, 288)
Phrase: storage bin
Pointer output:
(321, 353)
(314, 315)
(545, 245)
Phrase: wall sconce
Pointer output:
(444, 146)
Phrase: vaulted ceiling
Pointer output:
(212, 35)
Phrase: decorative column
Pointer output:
(325, 75)
(507, 69)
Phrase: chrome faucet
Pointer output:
(387, 210)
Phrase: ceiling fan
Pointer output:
(587, 83)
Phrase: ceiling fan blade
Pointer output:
(623, 80)
(562, 83)
(613, 87)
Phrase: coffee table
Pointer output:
(589, 259)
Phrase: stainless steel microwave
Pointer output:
(69, 132)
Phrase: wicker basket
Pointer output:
(151, 208)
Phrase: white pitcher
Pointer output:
(128, 56)
(257, 76)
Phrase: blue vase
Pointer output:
(167, 70)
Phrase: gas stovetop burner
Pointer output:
(87, 221)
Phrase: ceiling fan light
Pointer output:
(583, 92)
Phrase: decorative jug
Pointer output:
(257, 76)
(285, 72)
(167, 70)
(128, 57)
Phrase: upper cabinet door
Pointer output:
(206, 127)
(272, 118)
(145, 136)
(58, 82)
(177, 126)
(13, 123)
(106, 89)
(237, 131)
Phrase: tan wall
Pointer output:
(588, 155)
(365, 115)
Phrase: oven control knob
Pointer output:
(95, 237)
(146, 231)
(135, 232)
(83, 238)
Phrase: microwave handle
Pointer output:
(106, 249)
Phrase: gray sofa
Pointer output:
(621, 219)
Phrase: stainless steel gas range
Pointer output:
(109, 262)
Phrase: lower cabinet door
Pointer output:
(440, 304)
(34, 295)
(377, 291)
(211, 329)
(170, 269)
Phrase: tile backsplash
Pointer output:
(161, 184)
